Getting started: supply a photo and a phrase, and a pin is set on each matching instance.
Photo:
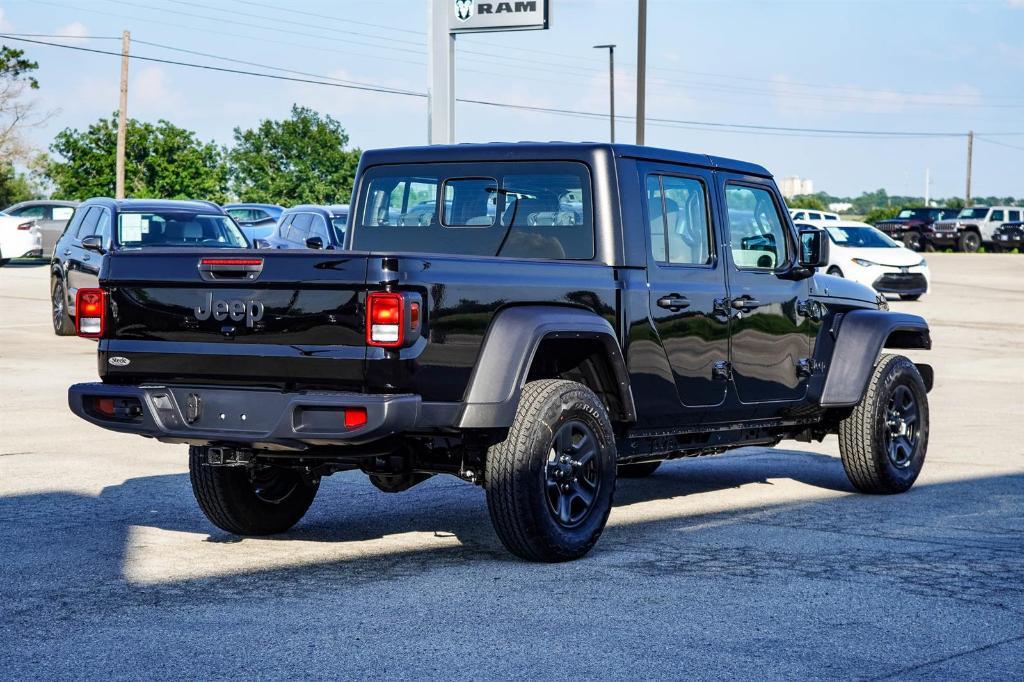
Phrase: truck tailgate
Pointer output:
(288, 318)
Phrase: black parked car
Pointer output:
(309, 227)
(913, 225)
(256, 220)
(1009, 236)
(50, 215)
(103, 225)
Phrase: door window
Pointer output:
(62, 212)
(300, 228)
(996, 217)
(678, 217)
(1012, 216)
(88, 225)
(30, 212)
(757, 238)
(319, 229)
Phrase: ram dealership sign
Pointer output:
(465, 16)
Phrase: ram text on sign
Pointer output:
(465, 16)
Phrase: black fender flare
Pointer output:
(509, 347)
(861, 336)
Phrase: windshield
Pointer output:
(178, 228)
(860, 237)
(517, 210)
(973, 213)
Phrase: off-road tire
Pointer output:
(862, 435)
(228, 497)
(63, 325)
(912, 240)
(929, 247)
(968, 242)
(641, 470)
(909, 297)
(517, 472)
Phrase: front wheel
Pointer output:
(912, 240)
(884, 441)
(969, 242)
(250, 500)
(550, 483)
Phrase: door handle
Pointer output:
(745, 303)
(85, 257)
(673, 302)
(67, 252)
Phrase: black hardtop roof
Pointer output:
(155, 205)
(252, 204)
(524, 151)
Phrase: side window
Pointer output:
(285, 223)
(757, 238)
(1012, 216)
(88, 224)
(103, 227)
(260, 215)
(62, 212)
(679, 220)
(814, 216)
(299, 228)
(401, 201)
(240, 214)
(30, 212)
(319, 229)
(996, 216)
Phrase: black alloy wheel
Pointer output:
(572, 479)
(900, 435)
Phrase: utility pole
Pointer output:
(970, 159)
(641, 70)
(611, 86)
(122, 116)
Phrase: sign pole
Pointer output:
(441, 76)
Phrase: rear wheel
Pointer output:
(641, 470)
(550, 483)
(969, 242)
(884, 441)
(250, 500)
(63, 325)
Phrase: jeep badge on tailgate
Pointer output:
(250, 310)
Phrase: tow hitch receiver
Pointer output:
(228, 457)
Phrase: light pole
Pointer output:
(641, 70)
(611, 86)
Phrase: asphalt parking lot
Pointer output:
(758, 563)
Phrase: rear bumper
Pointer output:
(256, 417)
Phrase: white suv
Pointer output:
(973, 227)
(810, 214)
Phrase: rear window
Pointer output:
(517, 210)
(178, 228)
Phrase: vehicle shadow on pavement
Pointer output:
(72, 548)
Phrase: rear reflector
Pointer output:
(355, 417)
(385, 315)
(90, 312)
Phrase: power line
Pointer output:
(1001, 144)
(667, 122)
(327, 16)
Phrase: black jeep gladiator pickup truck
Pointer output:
(569, 313)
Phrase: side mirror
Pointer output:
(314, 243)
(93, 242)
(813, 248)
(260, 244)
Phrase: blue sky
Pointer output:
(917, 65)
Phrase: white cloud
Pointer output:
(75, 32)
(4, 24)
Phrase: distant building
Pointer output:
(840, 206)
(792, 185)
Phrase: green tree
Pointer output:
(810, 201)
(883, 213)
(15, 186)
(302, 159)
(16, 112)
(954, 202)
(161, 161)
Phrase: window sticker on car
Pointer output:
(131, 227)
(839, 235)
(62, 212)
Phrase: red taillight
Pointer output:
(385, 316)
(231, 261)
(355, 417)
(90, 312)
(105, 406)
(25, 226)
